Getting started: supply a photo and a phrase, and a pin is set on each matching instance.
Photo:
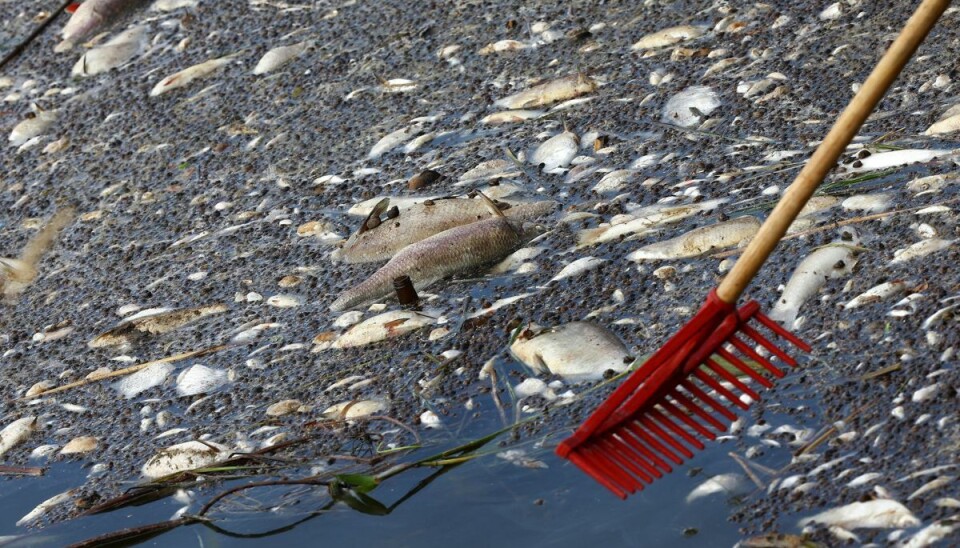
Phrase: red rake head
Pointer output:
(657, 415)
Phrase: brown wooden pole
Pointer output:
(825, 157)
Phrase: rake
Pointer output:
(683, 394)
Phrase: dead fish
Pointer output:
(80, 445)
(807, 216)
(668, 37)
(16, 432)
(200, 379)
(920, 249)
(896, 158)
(454, 251)
(877, 293)
(189, 74)
(89, 16)
(280, 56)
(577, 351)
(34, 126)
(873, 514)
(489, 169)
(830, 261)
(185, 456)
(402, 203)
(45, 507)
(726, 484)
(143, 380)
(17, 274)
(644, 220)
(423, 220)
(614, 181)
(701, 240)
(868, 203)
(556, 152)
(502, 46)
(577, 267)
(354, 409)
(113, 53)
(170, 5)
(948, 123)
(394, 139)
(550, 92)
(511, 116)
(689, 107)
(384, 326)
(154, 323)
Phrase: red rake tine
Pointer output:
(616, 441)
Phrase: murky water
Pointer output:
(225, 198)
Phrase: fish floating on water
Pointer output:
(89, 16)
(550, 92)
(454, 251)
(378, 240)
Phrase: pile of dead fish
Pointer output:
(576, 199)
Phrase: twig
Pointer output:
(829, 432)
(495, 396)
(18, 49)
(129, 370)
(880, 372)
(20, 471)
(746, 468)
(312, 480)
(837, 224)
(126, 536)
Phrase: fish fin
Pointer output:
(492, 207)
(381, 206)
(72, 7)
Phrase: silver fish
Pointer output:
(424, 220)
(460, 249)
(89, 16)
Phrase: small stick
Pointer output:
(838, 224)
(746, 468)
(816, 442)
(20, 471)
(495, 396)
(129, 370)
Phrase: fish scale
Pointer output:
(460, 249)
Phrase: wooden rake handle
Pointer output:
(825, 157)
